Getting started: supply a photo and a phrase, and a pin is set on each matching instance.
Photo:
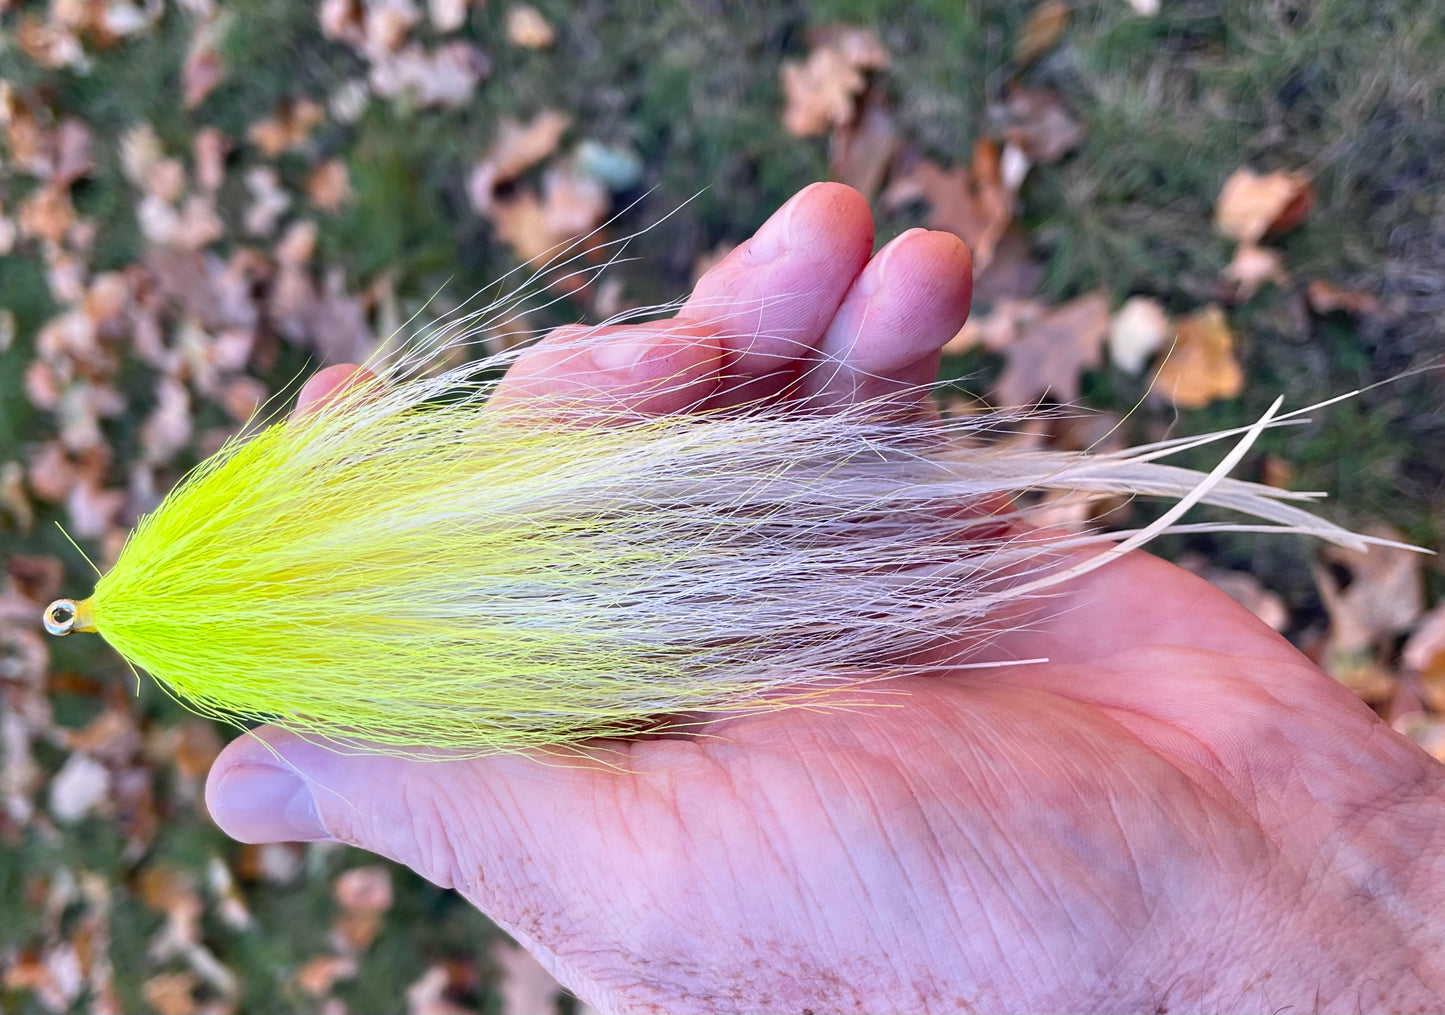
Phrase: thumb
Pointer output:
(445, 819)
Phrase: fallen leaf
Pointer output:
(78, 788)
(1136, 332)
(1036, 120)
(386, 24)
(329, 185)
(364, 889)
(820, 93)
(1046, 22)
(862, 151)
(971, 202)
(13, 498)
(50, 45)
(526, 988)
(268, 201)
(1327, 298)
(277, 863)
(447, 76)
(527, 28)
(1424, 652)
(317, 976)
(515, 148)
(1370, 595)
(47, 214)
(341, 20)
(55, 976)
(447, 15)
(172, 993)
(1012, 272)
(998, 328)
(73, 158)
(1052, 351)
(427, 995)
(1251, 267)
(1252, 206)
(1201, 367)
(287, 128)
(203, 69)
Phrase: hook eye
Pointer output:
(60, 617)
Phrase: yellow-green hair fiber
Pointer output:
(414, 567)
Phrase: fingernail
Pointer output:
(261, 803)
(621, 354)
(776, 234)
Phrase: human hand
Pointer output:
(1176, 811)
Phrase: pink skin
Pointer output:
(1177, 812)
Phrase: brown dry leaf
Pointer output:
(288, 128)
(386, 25)
(820, 94)
(277, 863)
(203, 69)
(1201, 367)
(1136, 332)
(970, 201)
(364, 894)
(1251, 267)
(997, 329)
(268, 200)
(526, 987)
(1327, 298)
(50, 45)
(14, 501)
(862, 151)
(172, 993)
(1252, 206)
(1053, 351)
(73, 158)
(54, 975)
(447, 76)
(210, 148)
(428, 995)
(329, 185)
(571, 206)
(527, 28)
(1045, 24)
(1425, 651)
(47, 214)
(317, 976)
(1379, 595)
(515, 149)
(1036, 120)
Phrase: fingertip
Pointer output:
(328, 384)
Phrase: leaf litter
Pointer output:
(229, 273)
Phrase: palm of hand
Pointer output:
(1118, 828)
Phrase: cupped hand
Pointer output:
(1176, 811)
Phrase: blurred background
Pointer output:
(1180, 209)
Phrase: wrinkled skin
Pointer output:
(1177, 811)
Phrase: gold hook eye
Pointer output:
(60, 617)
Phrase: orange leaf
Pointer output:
(972, 202)
(527, 28)
(1327, 298)
(1252, 206)
(1045, 24)
(820, 93)
(1201, 367)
